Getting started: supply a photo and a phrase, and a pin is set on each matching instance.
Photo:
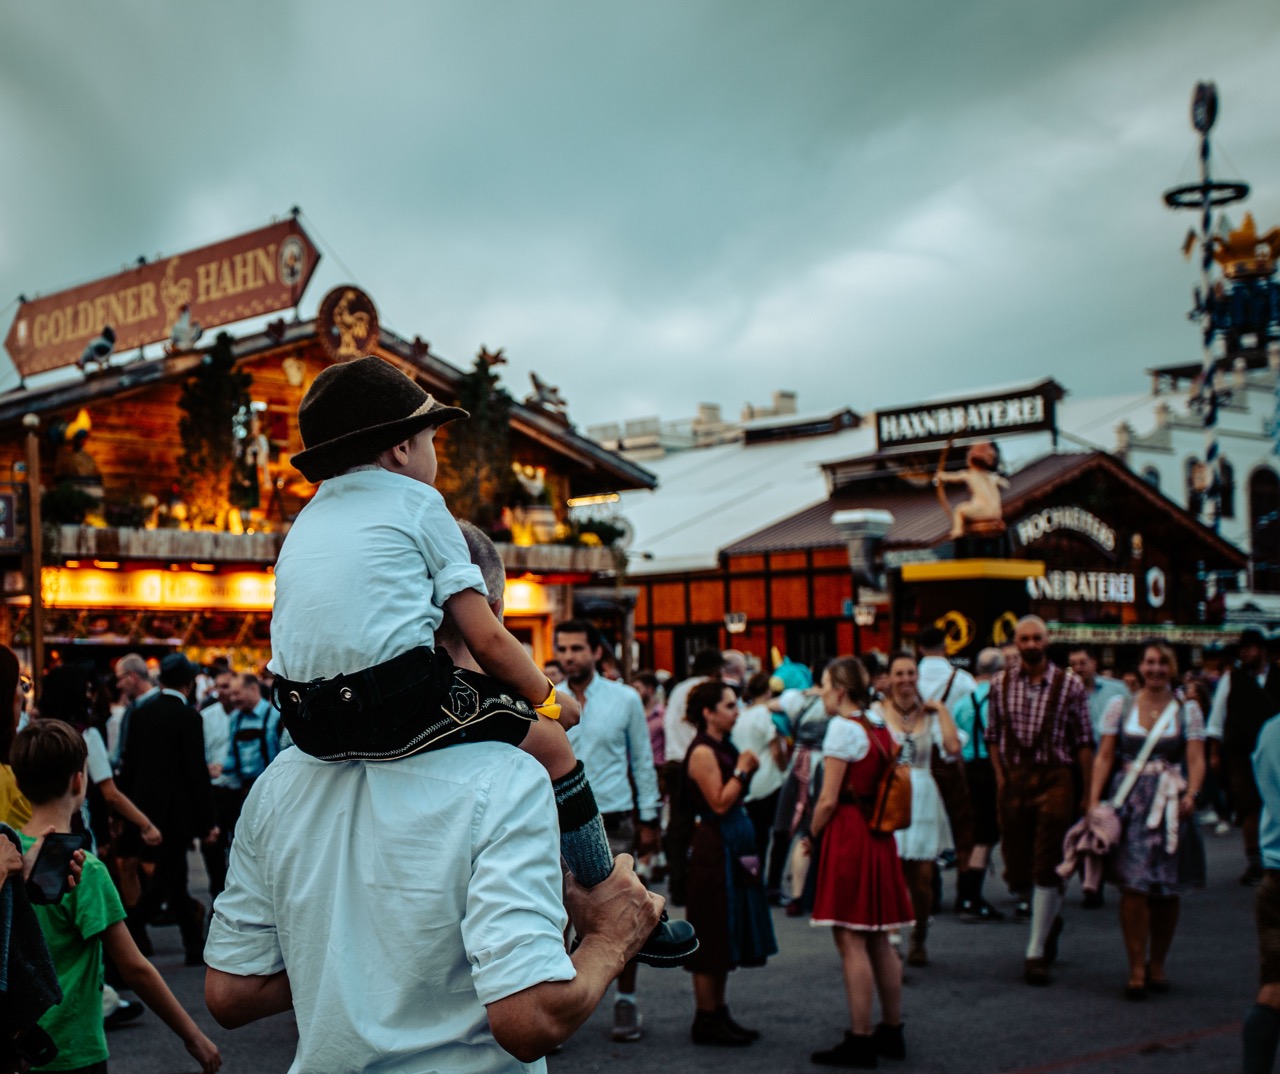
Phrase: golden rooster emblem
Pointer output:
(352, 326)
(175, 292)
(348, 323)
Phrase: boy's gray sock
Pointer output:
(583, 842)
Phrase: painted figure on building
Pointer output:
(982, 476)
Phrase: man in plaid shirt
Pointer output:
(1038, 730)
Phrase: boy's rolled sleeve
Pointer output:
(513, 929)
(443, 547)
(454, 578)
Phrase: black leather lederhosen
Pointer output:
(413, 702)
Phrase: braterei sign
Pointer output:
(1023, 410)
(251, 274)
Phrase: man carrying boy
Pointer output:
(439, 866)
(48, 759)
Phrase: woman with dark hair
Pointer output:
(861, 891)
(1152, 864)
(66, 694)
(726, 900)
(15, 810)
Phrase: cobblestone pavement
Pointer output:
(967, 1011)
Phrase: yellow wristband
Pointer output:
(550, 708)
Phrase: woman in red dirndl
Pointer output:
(861, 893)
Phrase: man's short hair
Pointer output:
(1252, 636)
(989, 662)
(931, 638)
(581, 626)
(1091, 651)
(484, 554)
(707, 662)
(45, 755)
(177, 671)
(133, 663)
(251, 680)
(553, 664)
(646, 678)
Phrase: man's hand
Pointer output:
(617, 914)
(152, 836)
(10, 860)
(215, 770)
(570, 710)
(648, 837)
(211, 836)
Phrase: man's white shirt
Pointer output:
(612, 742)
(401, 897)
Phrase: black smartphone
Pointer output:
(50, 877)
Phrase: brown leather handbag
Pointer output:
(891, 802)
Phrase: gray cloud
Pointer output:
(658, 204)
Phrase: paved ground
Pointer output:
(968, 1011)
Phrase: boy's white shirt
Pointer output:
(364, 575)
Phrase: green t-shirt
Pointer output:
(73, 930)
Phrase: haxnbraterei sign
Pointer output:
(1022, 410)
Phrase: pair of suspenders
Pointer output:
(1025, 752)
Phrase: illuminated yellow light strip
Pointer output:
(591, 501)
(966, 569)
(157, 590)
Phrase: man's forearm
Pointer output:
(236, 1001)
(530, 1023)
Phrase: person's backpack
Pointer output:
(891, 803)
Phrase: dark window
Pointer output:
(691, 640)
(1151, 476)
(1227, 487)
(1264, 524)
(811, 644)
(1194, 495)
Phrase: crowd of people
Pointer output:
(384, 810)
(740, 788)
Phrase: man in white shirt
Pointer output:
(678, 734)
(612, 742)
(940, 681)
(387, 964)
(1248, 695)
(216, 717)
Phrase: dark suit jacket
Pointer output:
(162, 768)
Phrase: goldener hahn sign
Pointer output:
(1023, 411)
(255, 273)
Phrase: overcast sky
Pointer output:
(662, 203)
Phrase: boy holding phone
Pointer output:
(48, 759)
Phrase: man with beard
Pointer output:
(1247, 697)
(1038, 729)
(612, 742)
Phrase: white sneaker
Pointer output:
(626, 1022)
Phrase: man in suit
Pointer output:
(163, 771)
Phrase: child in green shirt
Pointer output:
(48, 759)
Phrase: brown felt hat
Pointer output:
(356, 409)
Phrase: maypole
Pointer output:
(1207, 195)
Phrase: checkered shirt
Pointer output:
(1016, 731)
